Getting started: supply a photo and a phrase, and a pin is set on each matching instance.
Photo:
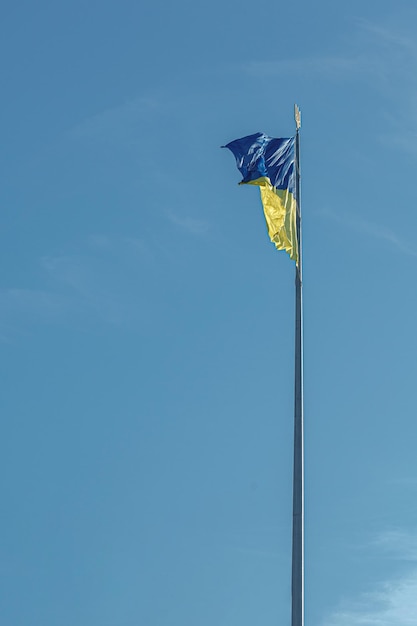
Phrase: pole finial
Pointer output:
(297, 117)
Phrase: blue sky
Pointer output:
(146, 322)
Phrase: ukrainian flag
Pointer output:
(269, 163)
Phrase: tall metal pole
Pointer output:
(297, 614)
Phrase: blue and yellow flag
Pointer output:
(269, 163)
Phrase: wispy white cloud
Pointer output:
(22, 306)
(398, 544)
(379, 53)
(98, 280)
(94, 278)
(400, 135)
(100, 241)
(330, 66)
(41, 304)
(128, 247)
(394, 50)
(373, 51)
(191, 225)
(392, 603)
(89, 284)
(119, 124)
(390, 36)
(371, 229)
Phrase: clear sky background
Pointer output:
(146, 321)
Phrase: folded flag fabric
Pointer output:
(269, 163)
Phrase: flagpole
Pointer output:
(297, 613)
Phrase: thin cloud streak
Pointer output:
(89, 284)
(90, 281)
(398, 544)
(330, 66)
(375, 51)
(392, 603)
(38, 301)
(22, 306)
(369, 228)
(118, 124)
(189, 224)
(388, 36)
(384, 56)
